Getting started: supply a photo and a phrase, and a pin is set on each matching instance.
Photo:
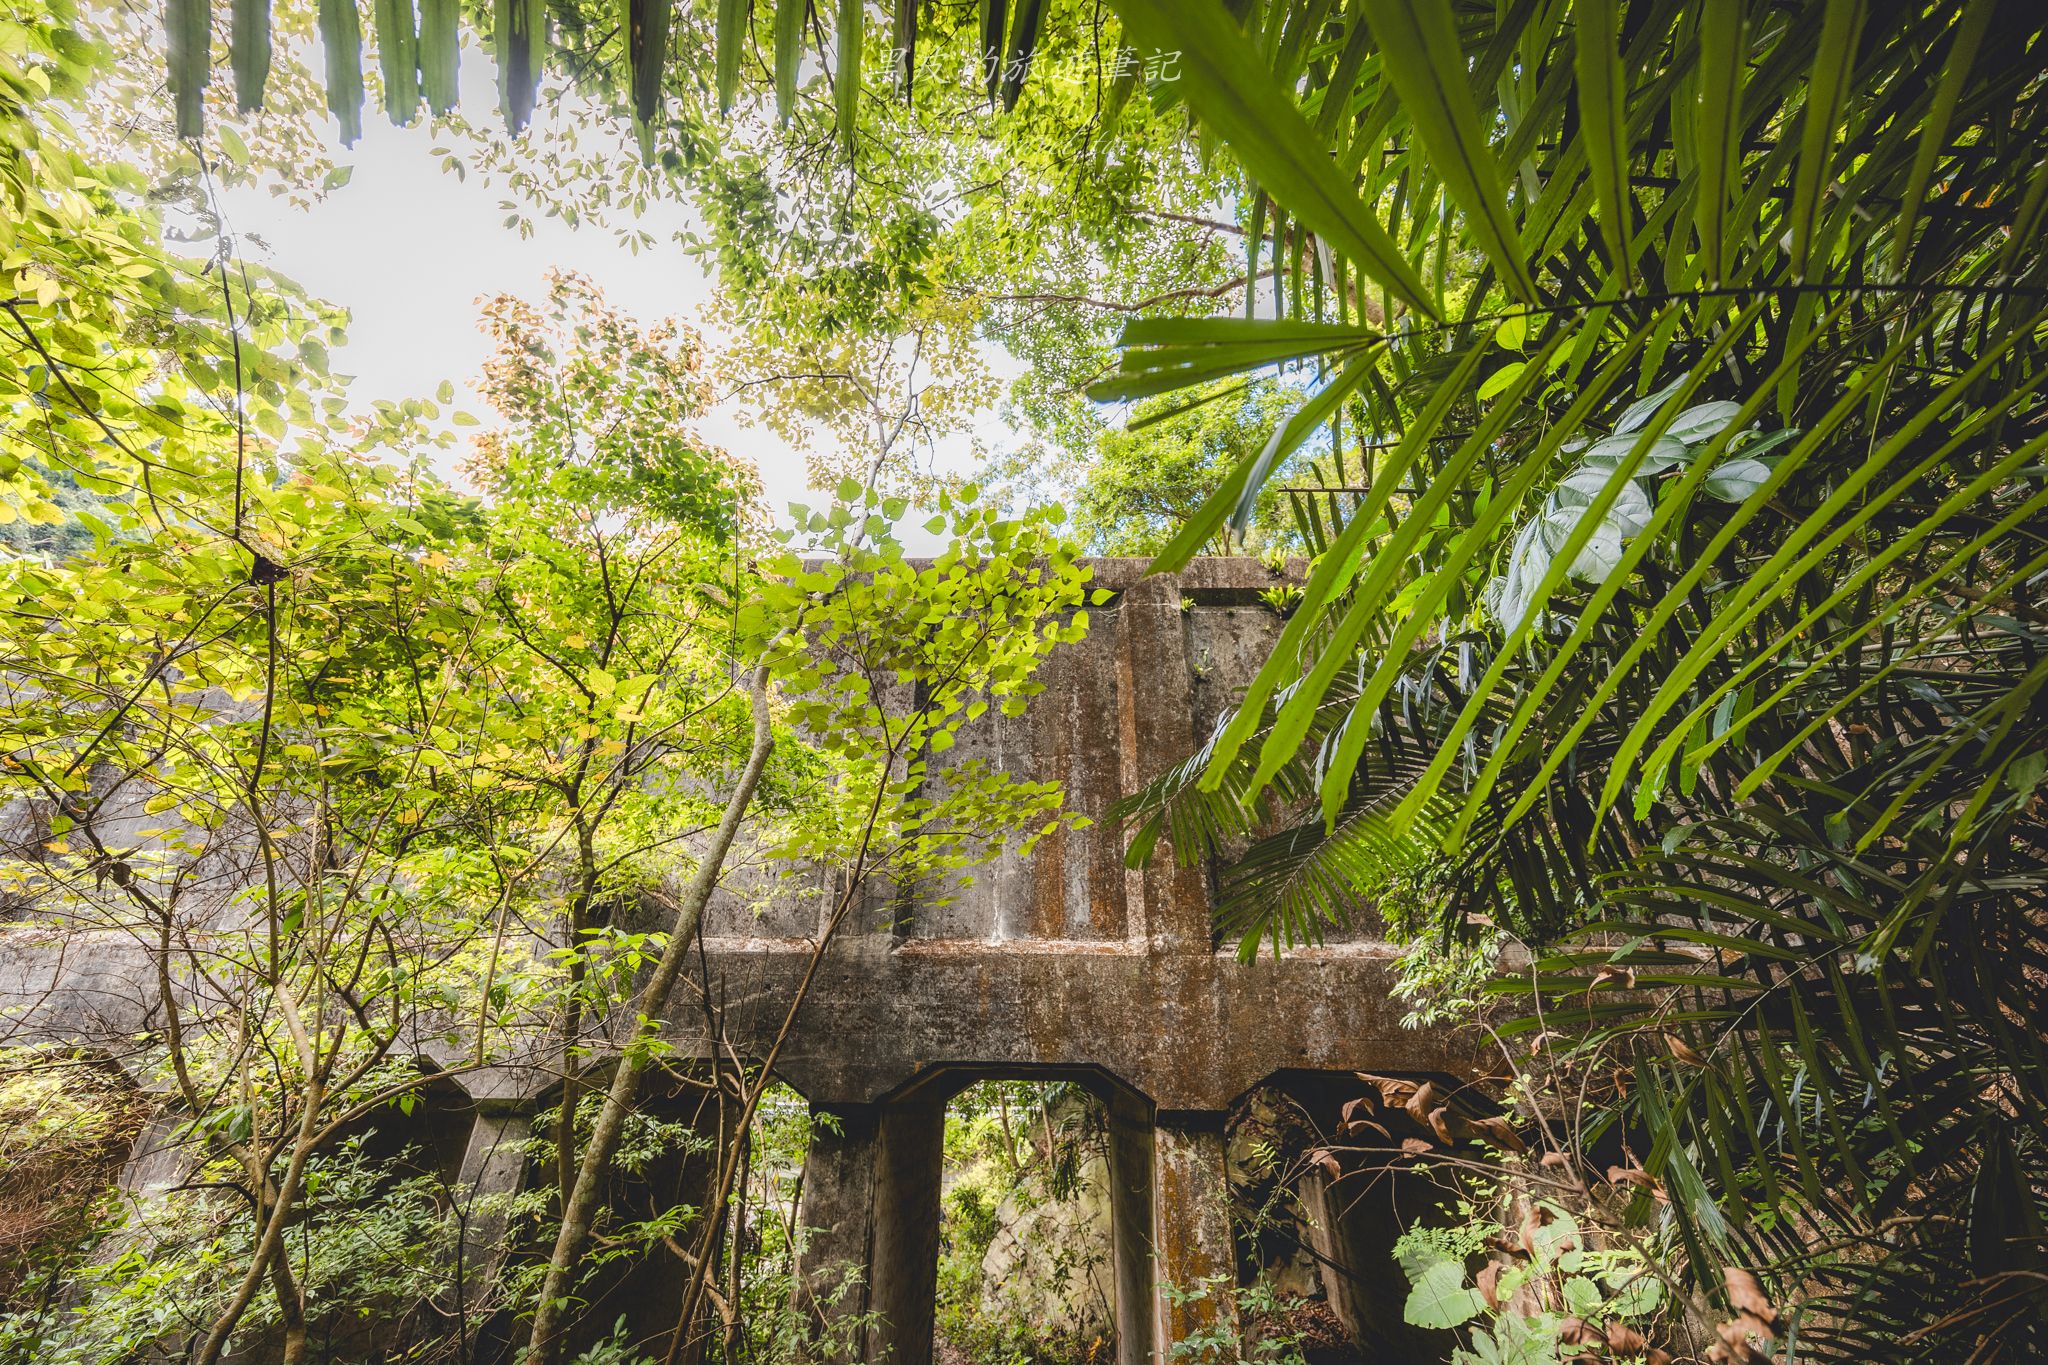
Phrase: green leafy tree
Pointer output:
(351, 770)
(838, 635)
(1149, 478)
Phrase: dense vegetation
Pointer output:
(1653, 391)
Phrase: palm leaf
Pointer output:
(1424, 60)
(1235, 97)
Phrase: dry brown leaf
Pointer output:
(1487, 1281)
(1415, 1146)
(1746, 1295)
(1358, 1110)
(1357, 1126)
(1683, 1050)
(1735, 1337)
(1613, 972)
(1532, 1221)
(1394, 1091)
(1762, 1327)
(1420, 1101)
(1499, 1132)
(1579, 1332)
(1625, 1340)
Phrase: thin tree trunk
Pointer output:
(572, 1025)
(271, 1241)
(291, 1307)
(544, 1344)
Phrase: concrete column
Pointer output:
(165, 1156)
(871, 1214)
(1192, 1239)
(646, 1291)
(1353, 1224)
(493, 1169)
(1130, 1229)
(1167, 903)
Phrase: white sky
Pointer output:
(409, 249)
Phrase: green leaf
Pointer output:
(1422, 57)
(1735, 480)
(1023, 44)
(1441, 1299)
(1703, 422)
(1971, 22)
(1233, 95)
(1717, 125)
(1238, 493)
(341, 35)
(1333, 570)
(1582, 1297)
(440, 53)
(231, 143)
(905, 40)
(852, 41)
(1501, 379)
(1827, 89)
(1370, 596)
(249, 51)
(994, 18)
(398, 59)
(1603, 89)
(188, 33)
(646, 26)
(733, 23)
(1286, 439)
(519, 31)
(789, 54)
(1740, 608)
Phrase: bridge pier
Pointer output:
(1353, 1224)
(868, 1276)
(644, 1291)
(868, 1273)
(493, 1169)
(1132, 1152)
(1195, 1260)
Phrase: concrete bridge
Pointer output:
(1063, 965)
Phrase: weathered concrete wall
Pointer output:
(1069, 959)
(1069, 963)
(1065, 963)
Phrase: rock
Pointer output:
(1049, 1263)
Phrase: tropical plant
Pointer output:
(1685, 604)
(1680, 542)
